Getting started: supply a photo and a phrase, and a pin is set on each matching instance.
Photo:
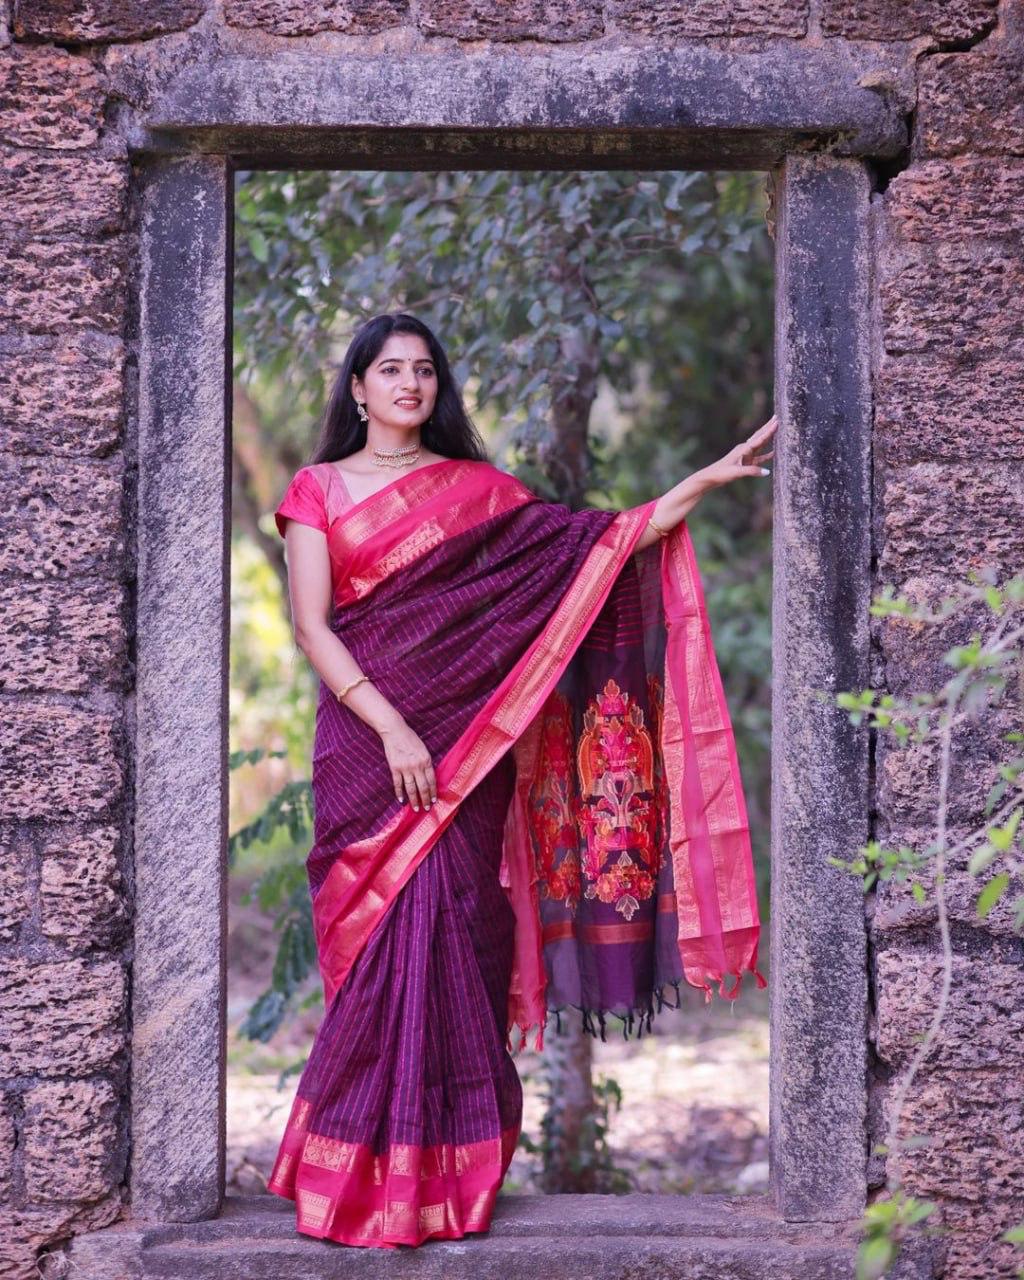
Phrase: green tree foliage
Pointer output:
(541, 285)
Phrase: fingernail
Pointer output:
(415, 808)
(765, 471)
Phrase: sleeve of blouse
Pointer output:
(303, 501)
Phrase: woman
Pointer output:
(525, 788)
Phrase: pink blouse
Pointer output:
(316, 496)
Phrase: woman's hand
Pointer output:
(742, 459)
(412, 770)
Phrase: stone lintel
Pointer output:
(691, 106)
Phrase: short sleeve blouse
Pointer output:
(304, 501)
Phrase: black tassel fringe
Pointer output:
(635, 1022)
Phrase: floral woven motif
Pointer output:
(617, 812)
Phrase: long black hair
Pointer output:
(449, 430)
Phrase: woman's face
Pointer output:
(400, 385)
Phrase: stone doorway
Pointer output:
(684, 108)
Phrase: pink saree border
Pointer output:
(403, 521)
(718, 922)
(369, 874)
(344, 1191)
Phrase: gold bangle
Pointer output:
(662, 533)
(351, 685)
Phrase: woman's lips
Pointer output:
(408, 404)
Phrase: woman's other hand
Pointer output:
(412, 770)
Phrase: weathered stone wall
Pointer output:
(949, 466)
(949, 497)
(66, 250)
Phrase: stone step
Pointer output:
(593, 1237)
(740, 1217)
(494, 1258)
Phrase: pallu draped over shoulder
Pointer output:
(589, 846)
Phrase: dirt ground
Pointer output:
(694, 1114)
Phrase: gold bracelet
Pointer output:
(351, 685)
(663, 533)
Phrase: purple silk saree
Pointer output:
(589, 845)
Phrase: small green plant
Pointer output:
(282, 892)
(887, 1223)
(291, 808)
(592, 1162)
(983, 668)
(1015, 1235)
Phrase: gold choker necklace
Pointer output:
(403, 457)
